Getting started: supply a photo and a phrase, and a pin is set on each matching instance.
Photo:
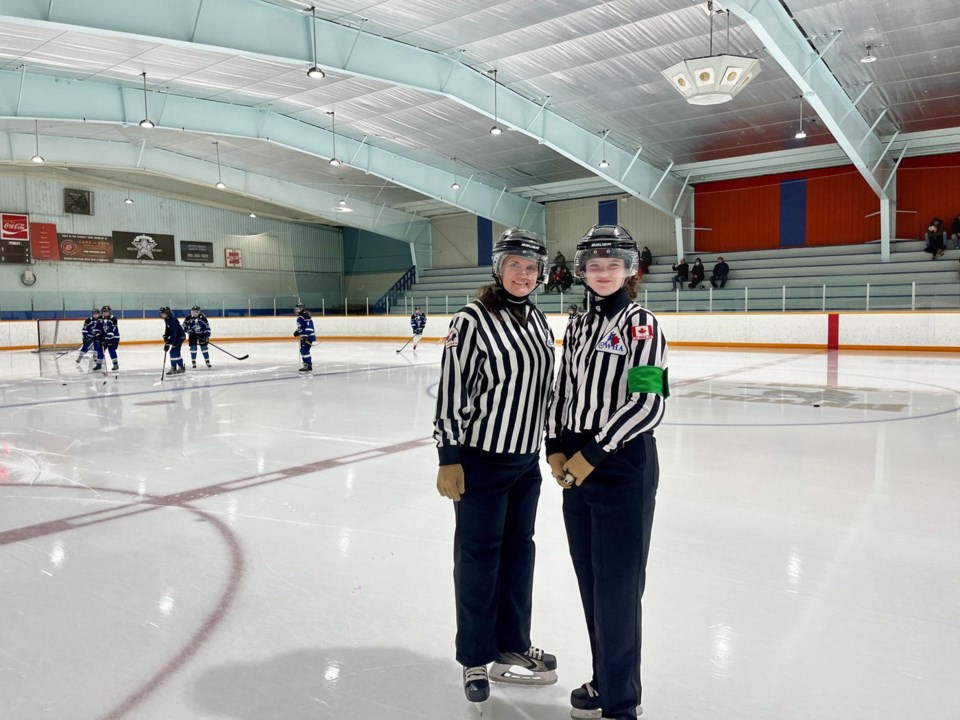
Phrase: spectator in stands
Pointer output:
(560, 279)
(955, 232)
(682, 271)
(559, 260)
(935, 238)
(696, 275)
(646, 260)
(720, 272)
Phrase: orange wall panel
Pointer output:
(930, 186)
(741, 215)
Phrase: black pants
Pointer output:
(721, 279)
(493, 554)
(609, 520)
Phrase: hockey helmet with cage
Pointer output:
(195, 311)
(607, 241)
(165, 310)
(299, 307)
(516, 241)
(105, 309)
(96, 312)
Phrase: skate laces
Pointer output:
(591, 693)
(534, 652)
(472, 674)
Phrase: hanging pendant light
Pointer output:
(314, 72)
(219, 185)
(333, 133)
(455, 185)
(37, 158)
(146, 123)
(603, 150)
(496, 129)
(800, 134)
(713, 79)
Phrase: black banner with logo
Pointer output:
(141, 247)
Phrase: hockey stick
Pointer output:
(68, 350)
(227, 352)
(163, 368)
(405, 344)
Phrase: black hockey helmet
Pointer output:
(96, 311)
(195, 309)
(607, 241)
(299, 307)
(516, 241)
(105, 309)
(165, 311)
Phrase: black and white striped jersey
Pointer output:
(592, 394)
(495, 383)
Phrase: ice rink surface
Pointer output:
(247, 543)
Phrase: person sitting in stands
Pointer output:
(720, 272)
(682, 271)
(559, 260)
(560, 278)
(696, 275)
(955, 232)
(935, 238)
(646, 260)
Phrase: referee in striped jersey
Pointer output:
(609, 397)
(492, 400)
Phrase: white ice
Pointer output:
(246, 543)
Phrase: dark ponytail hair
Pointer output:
(631, 286)
(494, 298)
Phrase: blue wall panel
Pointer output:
(793, 213)
(607, 212)
(484, 241)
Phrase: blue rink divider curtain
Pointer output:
(607, 212)
(484, 241)
(793, 213)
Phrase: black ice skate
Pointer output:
(194, 363)
(97, 366)
(305, 368)
(476, 685)
(533, 667)
(585, 703)
(208, 364)
(116, 366)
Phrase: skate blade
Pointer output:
(578, 714)
(520, 676)
(479, 707)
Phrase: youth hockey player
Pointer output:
(307, 336)
(173, 337)
(197, 328)
(109, 337)
(610, 394)
(91, 336)
(496, 373)
(418, 321)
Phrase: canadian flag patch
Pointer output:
(642, 332)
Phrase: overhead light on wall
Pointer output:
(314, 72)
(219, 185)
(37, 158)
(496, 129)
(603, 150)
(333, 133)
(713, 79)
(342, 205)
(128, 200)
(146, 123)
(800, 134)
(869, 57)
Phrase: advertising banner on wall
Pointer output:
(141, 247)
(14, 238)
(232, 258)
(198, 252)
(43, 241)
(85, 248)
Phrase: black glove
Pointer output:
(296, 333)
(166, 347)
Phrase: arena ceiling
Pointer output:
(593, 64)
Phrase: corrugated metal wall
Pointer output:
(279, 258)
(568, 220)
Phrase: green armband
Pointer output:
(648, 379)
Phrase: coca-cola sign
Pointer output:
(14, 227)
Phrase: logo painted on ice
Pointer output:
(613, 344)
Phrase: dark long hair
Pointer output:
(494, 299)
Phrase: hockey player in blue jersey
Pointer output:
(197, 328)
(91, 336)
(307, 336)
(418, 321)
(173, 337)
(109, 338)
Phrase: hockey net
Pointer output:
(51, 335)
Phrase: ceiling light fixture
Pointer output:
(869, 57)
(38, 158)
(800, 133)
(333, 133)
(220, 185)
(603, 150)
(314, 72)
(128, 200)
(342, 205)
(496, 129)
(146, 123)
(455, 185)
(713, 79)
